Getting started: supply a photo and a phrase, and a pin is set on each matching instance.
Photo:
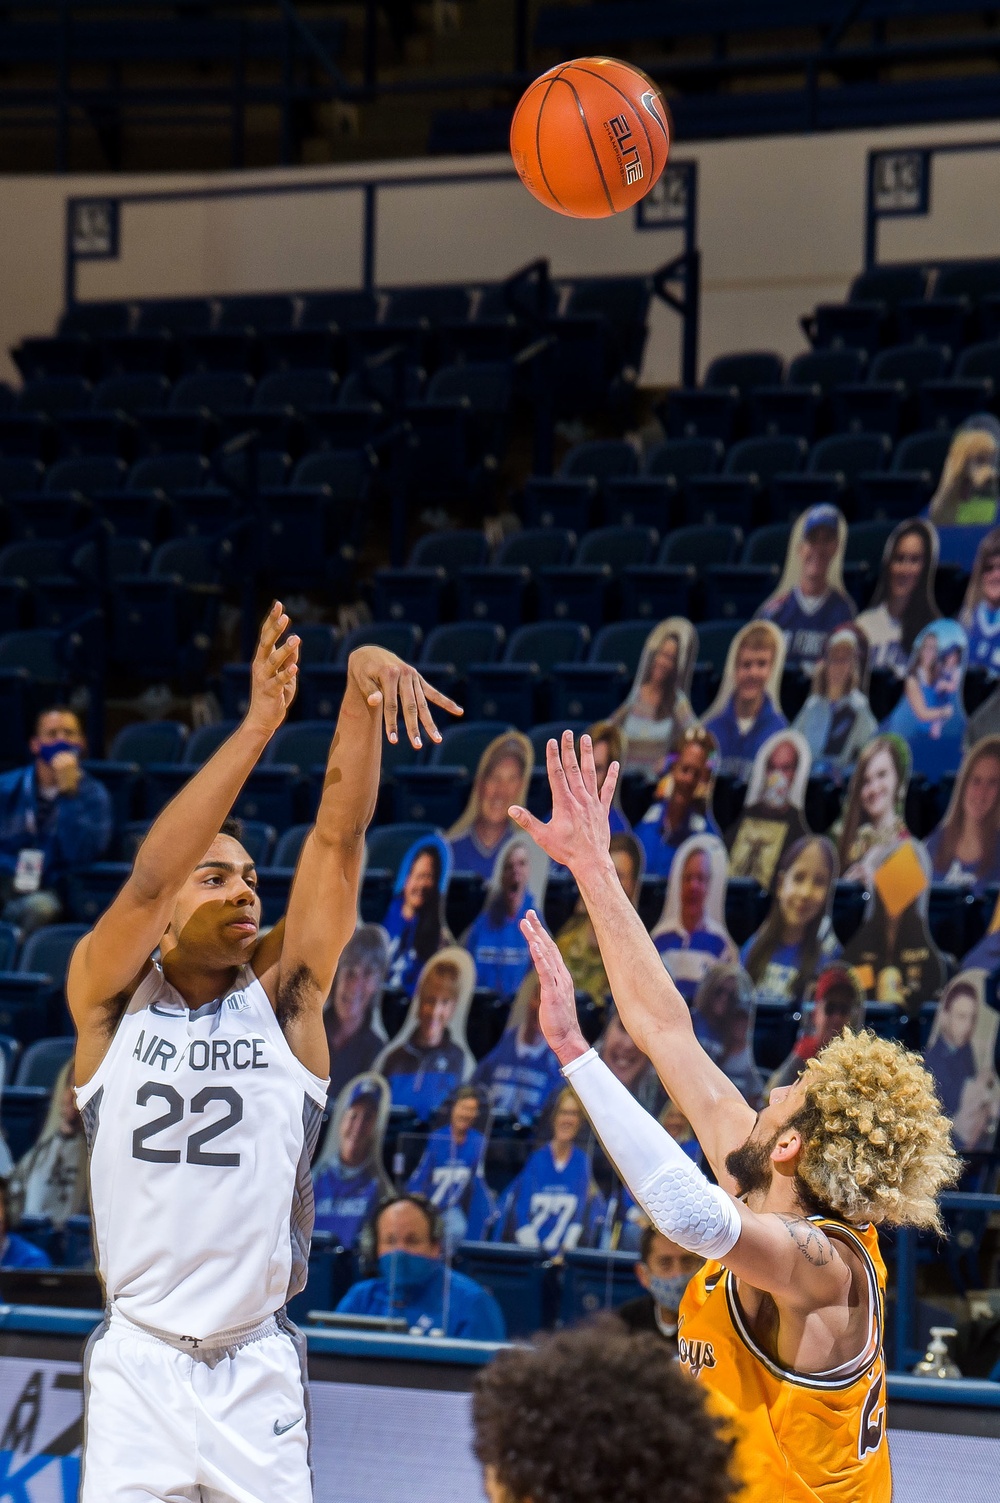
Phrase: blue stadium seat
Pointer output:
(461, 548)
(535, 547)
(449, 651)
(18, 473)
(792, 494)
(641, 501)
(600, 459)
(775, 1028)
(205, 742)
(23, 1110)
(912, 364)
(588, 691)
(594, 1280)
(395, 636)
(849, 454)
(557, 502)
(893, 495)
(857, 325)
(414, 595)
(866, 542)
(510, 689)
(90, 889)
(827, 368)
(736, 591)
(520, 1279)
(463, 745)
(701, 412)
(302, 744)
(934, 320)
(191, 560)
(169, 473)
(980, 361)
(746, 370)
(386, 845)
(574, 592)
(616, 547)
(98, 317)
(53, 395)
(130, 394)
(945, 404)
(347, 473)
(652, 592)
(88, 474)
(42, 1061)
(493, 594)
(680, 458)
(792, 410)
(870, 407)
(10, 938)
(10, 1053)
(321, 689)
(621, 642)
(273, 794)
(768, 545)
(700, 546)
(766, 456)
(286, 851)
(47, 951)
(42, 653)
(27, 434)
(722, 500)
(150, 741)
(31, 559)
(922, 451)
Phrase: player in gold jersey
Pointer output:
(784, 1322)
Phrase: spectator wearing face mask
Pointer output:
(664, 1270)
(413, 1282)
(54, 817)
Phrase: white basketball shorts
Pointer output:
(219, 1424)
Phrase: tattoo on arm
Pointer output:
(811, 1241)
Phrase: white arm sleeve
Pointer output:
(673, 1192)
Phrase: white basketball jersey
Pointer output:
(201, 1124)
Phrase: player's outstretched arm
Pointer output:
(296, 962)
(648, 1002)
(114, 953)
(786, 1256)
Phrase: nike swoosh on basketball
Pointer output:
(279, 1428)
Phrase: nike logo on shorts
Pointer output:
(280, 1429)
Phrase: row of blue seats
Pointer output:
(953, 304)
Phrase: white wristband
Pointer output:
(673, 1192)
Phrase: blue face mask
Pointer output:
(50, 749)
(406, 1272)
(667, 1292)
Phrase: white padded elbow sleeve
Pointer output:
(673, 1192)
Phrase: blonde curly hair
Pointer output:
(876, 1142)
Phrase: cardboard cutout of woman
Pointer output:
(980, 613)
(494, 940)
(352, 1015)
(520, 1074)
(723, 1016)
(836, 1004)
(961, 1055)
(985, 954)
(965, 847)
(691, 935)
(451, 1171)
(967, 491)
(430, 1057)
(836, 719)
(658, 708)
(903, 602)
(683, 804)
(554, 1202)
(629, 1064)
(610, 745)
(893, 955)
(811, 601)
(772, 817)
(930, 715)
(348, 1177)
(872, 822)
(502, 779)
(577, 940)
(746, 709)
(51, 1179)
(796, 939)
(415, 922)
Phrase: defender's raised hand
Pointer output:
(578, 830)
(273, 672)
(557, 1011)
(384, 679)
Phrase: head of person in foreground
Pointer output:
(861, 1133)
(598, 1415)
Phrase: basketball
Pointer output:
(590, 137)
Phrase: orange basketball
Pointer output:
(590, 138)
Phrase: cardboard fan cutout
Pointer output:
(494, 940)
(980, 613)
(520, 1073)
(554, 1203)
(577, 939)
(872, 822)
(985, 954)
(961, 1055)
(836, 719)
(610, 745)
(348, 1177)
(658, 709)
(965, 847)
(683, 803)
(746, 709)
(502, 779)
(630, 1065)
(352, 1016)
(893, 955)
(691, 934)
(811, 601)
(796, 938)
(930, 715)
(772, 817)
(903, 602)
(451, 1170)
(837, 1003)
(967, 491)
(430, 1056)
(415, 922)
(723, 1017)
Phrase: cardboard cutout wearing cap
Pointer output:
(502, 779)
(577, 940)
(903, 602)
(980, 613)
(348, 1177)
(965, 847)
(836, 1003)
(683, 803)
(746, 709)
(961, 1055)
(723, 1015)
(930, 716)
(872, 822)
(772, 817)
(430, 1055)
(967, 491)
(691, 934)
(796, 938)
(836, 719)
(521, 1073)
(451, 1171)
(352, 1014)
(893, 955)
(657, 708)
(811, 601)
(494, 939)
(415, 922)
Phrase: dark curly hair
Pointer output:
(599, 1415)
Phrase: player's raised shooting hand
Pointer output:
(557, 1010)
(273, 672)
(384, 679)
(578, 831)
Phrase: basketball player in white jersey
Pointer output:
(201, 1070)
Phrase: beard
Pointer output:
(750, 1165)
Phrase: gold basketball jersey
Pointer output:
(802, 1437)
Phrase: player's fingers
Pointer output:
(528, 822)
(408, 705)
(587, 766)
(390, 703)
(437, 698)
(424, 710)
(556, 771)
(288, 652)
(270, 629)
(610, 784)
(571, 767)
